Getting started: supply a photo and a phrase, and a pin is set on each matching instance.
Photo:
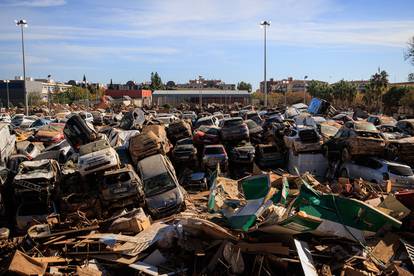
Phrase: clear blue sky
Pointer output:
(181, 39)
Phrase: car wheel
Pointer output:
(344, 173)
(325, 151)
(346, 155)
(392, 152)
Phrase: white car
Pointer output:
(378, 171)
(97, 156)
(87, 116)
(5, 117)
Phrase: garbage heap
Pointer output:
(264, 224)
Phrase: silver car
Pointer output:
(379, 171)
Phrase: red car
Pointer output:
(50, 134)
(207, 135)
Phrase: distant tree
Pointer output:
(392, 98)
(111, 86)
(244, 86)
(344, 92)
(34, 98)
(376, 87)
(411, 77)
(408, 99)
(409, 54)
(320, 89)
(156, 82)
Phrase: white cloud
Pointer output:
(35, 3)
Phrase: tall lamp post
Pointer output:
(304, 89)
(200, 83)
(265, 24)
(7, 93)
(286, 90)
(49, 94)
(23, 24)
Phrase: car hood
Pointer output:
(166, 199)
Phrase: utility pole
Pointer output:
(23, 23)
(304, 89)
(7, 92)
(264, 24)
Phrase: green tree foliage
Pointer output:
(244, 86)
(392, 99)
(344, 92)
(320, 89)
(74, 93)
(408, 99)
(156, 82)
(376, 87)
(34, 98)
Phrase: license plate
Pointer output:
(120, 190)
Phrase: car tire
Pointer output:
(346, 155)
(325, 151)
(344, 173)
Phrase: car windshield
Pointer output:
(233, 122)
(214, 150)
(328, 130)
(400, 170)
(158, 184)
(365, 127)
(251, 124)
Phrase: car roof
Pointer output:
(152, 166)
(387, 162)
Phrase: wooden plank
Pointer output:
(270, 248)
(52, 259)
(386, 247)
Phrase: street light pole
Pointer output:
(304, 89)
(7, 92)
(264, 24)
(48, 94)
(23, 23)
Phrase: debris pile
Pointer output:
(223, 192)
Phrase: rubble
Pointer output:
(231, 191)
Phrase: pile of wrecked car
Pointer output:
(227, 190)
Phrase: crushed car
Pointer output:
(355, 139)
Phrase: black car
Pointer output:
(77, 132)
(234, 129)
(269, 156)
(242, 153)
(184, 153)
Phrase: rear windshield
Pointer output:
(215, 150)
(234, 122)
(116, 178)
(206, 122)
(209, 130)
(400, 170)
(269, 149)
